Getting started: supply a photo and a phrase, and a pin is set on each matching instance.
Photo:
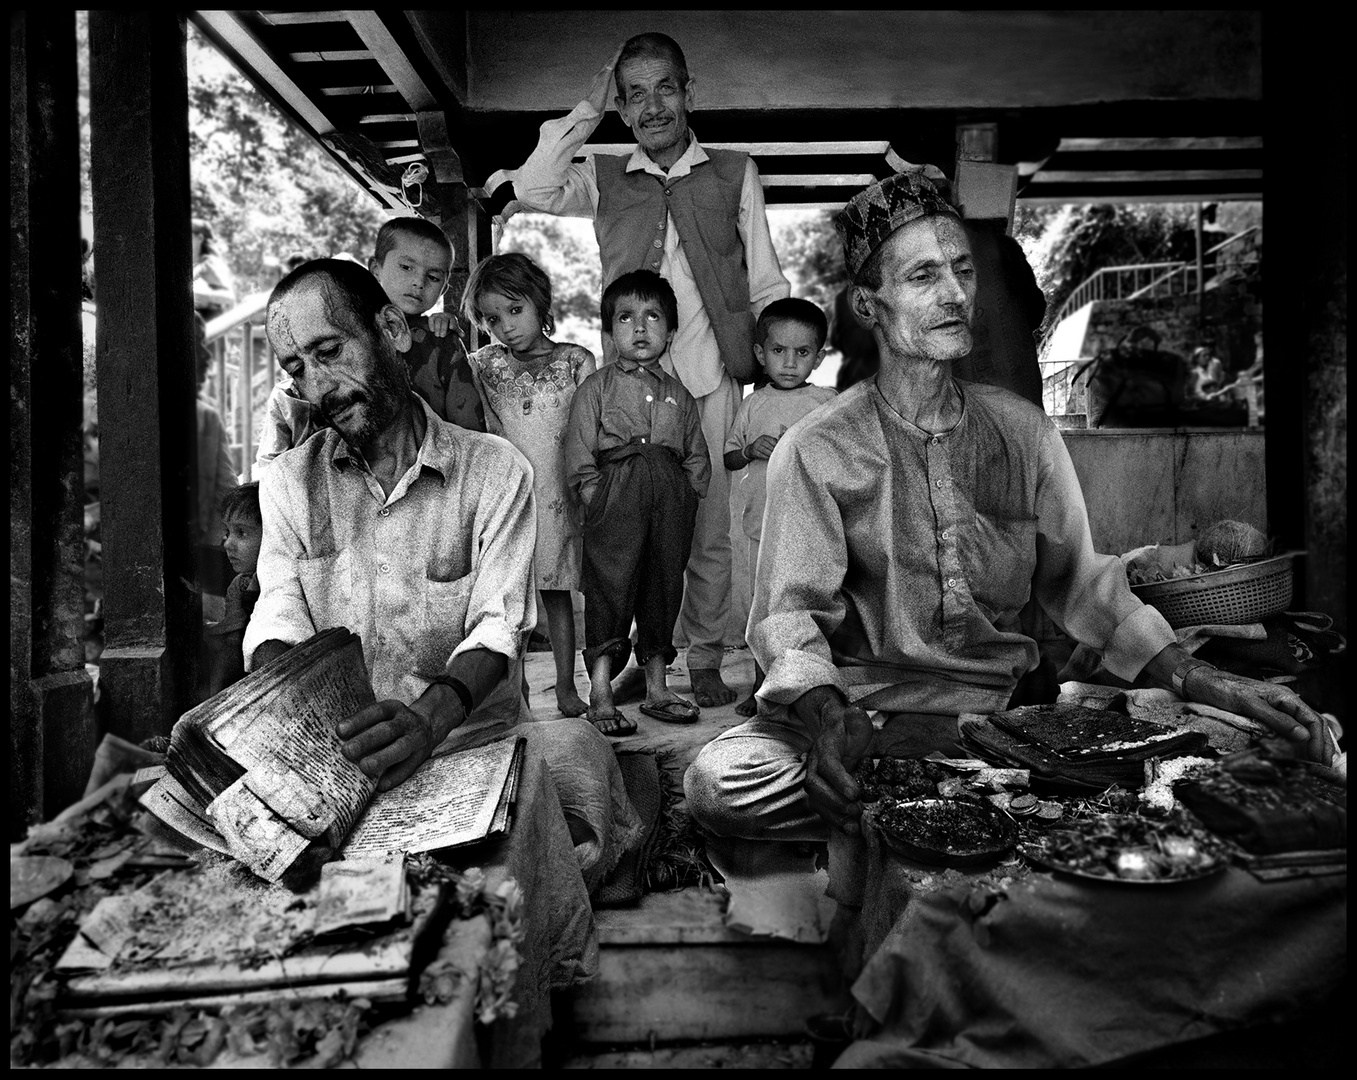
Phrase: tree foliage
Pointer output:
(811, 256)
(267, 189)
(566, 249)
(1067, 245)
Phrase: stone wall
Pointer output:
(1226, 323)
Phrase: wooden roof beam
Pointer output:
(432, 123)
(238, 41)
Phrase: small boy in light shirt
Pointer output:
(789, 342)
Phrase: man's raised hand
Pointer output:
(601, 90)
(387, 740)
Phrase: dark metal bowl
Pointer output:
(1003, 828)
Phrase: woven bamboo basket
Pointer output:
(1241, 594)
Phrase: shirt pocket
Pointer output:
(1003, 560)
(442, 624)
(327, 585)
(668, 425)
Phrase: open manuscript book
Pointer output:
(257, 771)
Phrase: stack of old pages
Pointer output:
(258, 772)
(219, 936)
(1076, 745)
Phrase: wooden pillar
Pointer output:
(982, 187)
(1305, 338)
(467, 225)
(51, 720)
(147, 419)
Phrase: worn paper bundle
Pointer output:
(258, 771)
(263, 758)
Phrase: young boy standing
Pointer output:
(636, 458)
(789, 342)
(412, 261)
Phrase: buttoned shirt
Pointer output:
(623, 401)
(894, 561)
(441, 566)
(551, 182)
(770, 410)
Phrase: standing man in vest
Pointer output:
(696, 217)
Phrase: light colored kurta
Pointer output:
(550, 181)
(531, 408)
(441, 567)
(894, 562)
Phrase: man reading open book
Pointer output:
(415, 534)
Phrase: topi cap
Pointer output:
(877, 211)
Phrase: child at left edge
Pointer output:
(243, 526)
(412, 260)
(789, 342)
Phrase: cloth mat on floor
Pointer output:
(641, 776)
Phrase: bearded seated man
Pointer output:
(908, 522)
(418, 536)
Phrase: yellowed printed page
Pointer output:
(449, 801)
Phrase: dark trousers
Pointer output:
(638, 533)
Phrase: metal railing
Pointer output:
(1139, 280)
(241, 376)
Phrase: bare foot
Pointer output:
(708, 687)
(748, 707)
(611, 722)
(570, 703)
(630, 686)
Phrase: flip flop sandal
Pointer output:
(628, 725)
(673, 712)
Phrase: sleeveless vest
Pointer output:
(705, 204)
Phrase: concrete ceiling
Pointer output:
(1091, 106)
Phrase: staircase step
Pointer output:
(669, 970)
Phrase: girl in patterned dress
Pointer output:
(528, 382)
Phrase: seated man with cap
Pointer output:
(908, 522)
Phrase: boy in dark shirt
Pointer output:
(636, 458)
(412, 261)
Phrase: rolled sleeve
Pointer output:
(766, 280)
(281, 612)
(501, 609)
(798, 596)
(1085, 592)
(287, 423)
(550, 181)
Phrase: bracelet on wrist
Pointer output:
(1180, 673)
(459, 688)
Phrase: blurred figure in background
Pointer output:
(214, 286)
(216, 476)
(854, 341)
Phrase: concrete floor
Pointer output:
(682, 740)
